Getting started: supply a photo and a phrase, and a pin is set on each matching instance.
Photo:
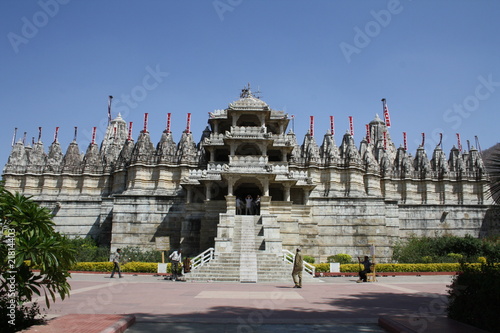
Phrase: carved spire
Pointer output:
(144, 150)
(166, 148)
(18, 159)
(349, 154)
(36, 158)
(329, 151)
(421, 163)
(72, 161)
(54, 158)
(92, 162)
(438, 162)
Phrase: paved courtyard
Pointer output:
(332, 304)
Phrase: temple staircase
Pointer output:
(246, 259)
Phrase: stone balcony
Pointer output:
(248, 160)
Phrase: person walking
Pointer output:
(116, 263)
(176, 258)
(298, 266)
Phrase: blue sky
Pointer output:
(436, 63)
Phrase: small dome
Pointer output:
(377, 120)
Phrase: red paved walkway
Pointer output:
(329, 300)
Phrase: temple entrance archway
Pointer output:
(244, 187)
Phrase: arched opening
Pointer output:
(248, 149)
(247, 188)
(248, 120)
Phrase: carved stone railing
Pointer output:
(201, 174)
(215, 139)
(279, 168)
(218, 114)
(248, 160)
(281, 140)
(247, 132)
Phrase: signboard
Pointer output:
(162, 268)
(162, 243)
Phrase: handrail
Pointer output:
(289, 257)
(202, 258)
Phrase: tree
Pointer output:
(493, 165)
(34, 258)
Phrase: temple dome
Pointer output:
(248, 101)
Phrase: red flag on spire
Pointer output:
(188, 125)
(459, 143)
(145, 130)
(311, 125)
(129, 138)
(332, 125)
(367, 133)
(168, 121)
(55, 134)
(351, 125)
(387, 117)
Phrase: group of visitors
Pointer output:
(248, 206)
(175, 258)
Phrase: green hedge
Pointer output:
(354, 268)
(136, 267)
(151, 267)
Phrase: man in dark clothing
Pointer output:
(366, 269)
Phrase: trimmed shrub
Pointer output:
(93, 266)
(135, 267)
(456, 257)
(342, 258)
(444, 267)
(474, 296)
(322, 268)
(144, 267)
(309, 259)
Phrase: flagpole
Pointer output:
(110, 98)
(14, 137)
